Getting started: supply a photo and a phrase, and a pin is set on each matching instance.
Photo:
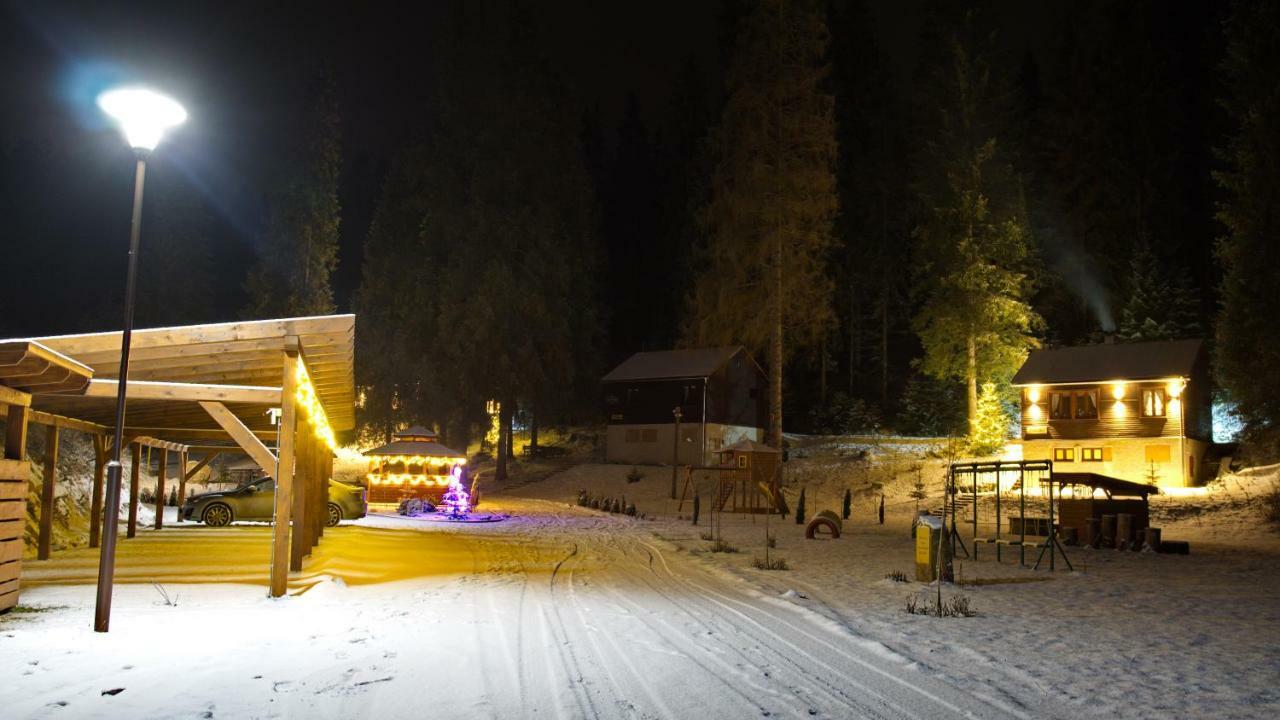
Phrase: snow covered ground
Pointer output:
(567, 613)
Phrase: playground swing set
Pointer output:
(996, 476)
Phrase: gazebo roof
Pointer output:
(414, 447)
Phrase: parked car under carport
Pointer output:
(257, 500)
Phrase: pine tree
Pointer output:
(773, 197)
(1160, 307)
(991, 428)
(1248, 344)
(974, 321)
(300, 248)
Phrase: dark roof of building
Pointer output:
(669, 364)
(1102, 363)
(1112, 486)
(417, 432)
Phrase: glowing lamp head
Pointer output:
(1033, 394)
(1117, 390)
(1175, 388)
(143, 115)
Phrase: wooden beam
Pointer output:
(67, 423)
(159, 444)
(241, 434)
(11, 397)
(135, 488)
(160, 478)
(15, 433)
(95, 505)
(209, 456)
(47, 492)
(151, 390)
(195, 433)
(284, 479)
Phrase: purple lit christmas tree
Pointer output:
(456, 501)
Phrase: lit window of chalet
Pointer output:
(1060, 406)
(1153, 403)
(1086, 404)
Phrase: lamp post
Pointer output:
(675, 450)
(143, 117)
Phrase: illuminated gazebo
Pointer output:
(413, 465)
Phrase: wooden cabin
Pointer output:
(412, 465)
(1138, 411)
(720, 393)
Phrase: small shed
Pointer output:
(1119, 496)
(413, 465)
(747, 468)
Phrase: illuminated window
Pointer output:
(1095, 454)
(1086, 404)
(1157, 454)
(1064, 454)
(1060, 406)
(1153, 402)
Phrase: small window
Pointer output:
(650, 436)
(1157, 454)
(1093, 454)
(1060, 406)
(1153, 403)
(742, 461)
(633, 435)
(1086, 404)
(1064, 454)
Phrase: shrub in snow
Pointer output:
(720, 546)
(800, 508)
(631, 509)
(635, 475)
(848, 504)
(697, 506)
(897, 576)
(773, 563)
(1271, 505)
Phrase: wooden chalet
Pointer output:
(196, 390)
(412, 465)
(1139, 412)
(720, 393)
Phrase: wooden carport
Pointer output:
(192, 386)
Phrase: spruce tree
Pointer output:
(1247, 342)
(991, 428)
(300, 248)
(1162, 304)
(974, 321)
(773, 201)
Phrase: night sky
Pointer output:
(240, 69)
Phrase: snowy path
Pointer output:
(558, 613)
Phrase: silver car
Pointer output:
(257, 501)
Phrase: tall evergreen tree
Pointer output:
(1162, 304)
(1248, 344)
(974, 320)
(300, 249)
(773, 196)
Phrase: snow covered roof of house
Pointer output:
(1109, 362)
(415, 447)
(749, 446)
(670, 364)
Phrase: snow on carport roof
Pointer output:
(1102, 363)
(667, 364)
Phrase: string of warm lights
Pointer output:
(307, 399)
(407, 479)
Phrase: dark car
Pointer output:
(257, 501)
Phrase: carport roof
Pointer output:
(244, 357)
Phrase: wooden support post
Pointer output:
(298, 547)
(182, 482)
(160, 478)
(135, 481)
(15, 433)
(47, 493)
(284, 479)
(95, 505)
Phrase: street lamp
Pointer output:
(143, 116)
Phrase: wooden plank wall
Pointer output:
(14, 474)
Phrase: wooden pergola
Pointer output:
(191, 388)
